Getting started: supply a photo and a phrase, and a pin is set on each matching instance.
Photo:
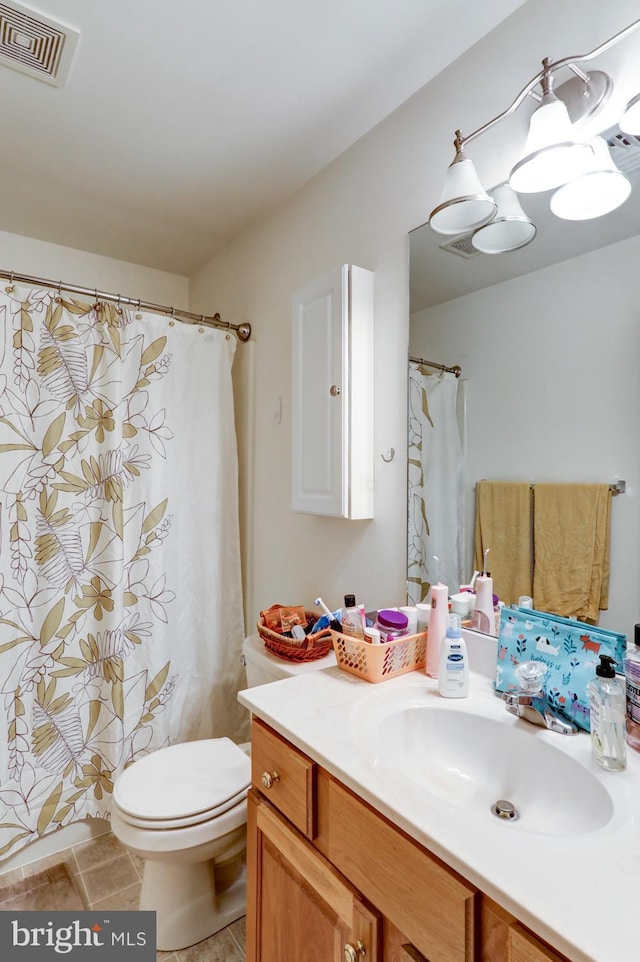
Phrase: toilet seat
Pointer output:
(184, 784)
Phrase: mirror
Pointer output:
(548, 339)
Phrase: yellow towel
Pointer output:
(503, 524)
(571, 549)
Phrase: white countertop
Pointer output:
(577, 891)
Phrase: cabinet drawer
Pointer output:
(285, 776)
(433, 906)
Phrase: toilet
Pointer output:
(183, 809)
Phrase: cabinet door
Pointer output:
(525, 947)
(504, 939)
(298, 907)
(332, 396)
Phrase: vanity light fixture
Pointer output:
(464, 203)
(599, 190)
(555, 156)
(551, 155)
(630, 120)
(509, 230)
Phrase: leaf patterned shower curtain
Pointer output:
(435, 484)
(120, 592)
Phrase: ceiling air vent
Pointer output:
(35, 44)
(461, 245)
(625, 150)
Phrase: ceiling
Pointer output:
(182, 123)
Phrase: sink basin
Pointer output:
(472, 759)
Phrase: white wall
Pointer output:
(24, 255)
(359, 210)
(551, 364)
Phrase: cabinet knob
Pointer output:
(269, 779)
(334, 390)
(354, 952)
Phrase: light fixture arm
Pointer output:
(544, 77)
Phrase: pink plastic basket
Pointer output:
(376, 663)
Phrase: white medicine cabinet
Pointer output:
(332, 405)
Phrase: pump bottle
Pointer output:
(607, 708)
(453, 677)
(631, 665)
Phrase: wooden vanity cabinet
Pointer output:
(329, 878)
(300, 907)
(504, 939)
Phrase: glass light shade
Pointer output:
(551, 154)
(464, 203)
(630, 121)
(509, 230)
(601, 189)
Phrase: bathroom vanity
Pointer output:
(349, 859)
(328, 874)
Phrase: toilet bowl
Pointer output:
(183, 809)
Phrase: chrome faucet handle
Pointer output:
(530, 701)
(531, 676)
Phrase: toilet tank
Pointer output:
(263, 667)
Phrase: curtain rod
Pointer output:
(242, 331)
(456, 369)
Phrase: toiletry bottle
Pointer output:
(631, 665)
(453, 677)
(372, 635)
(484, 618)
(437, 627)
(424, 613)
(412, 617)
(351, 618)
(391, 624)
(606, 703)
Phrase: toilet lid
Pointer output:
(184, 783)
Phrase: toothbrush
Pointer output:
(320, 603)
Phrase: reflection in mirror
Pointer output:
(548, 339)
(435, 478)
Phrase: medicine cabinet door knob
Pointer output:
(354, 952)
(269, 779)
(334, 390)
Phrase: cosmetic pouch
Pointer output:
(570, 650)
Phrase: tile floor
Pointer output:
(108, 876)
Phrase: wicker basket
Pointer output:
(376, 663)
(310, 649)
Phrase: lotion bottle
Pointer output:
(453, 677)
(607, 708)
(437, 627)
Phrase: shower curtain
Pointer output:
(120, 594)
(435, 484)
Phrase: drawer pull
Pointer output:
(354, 952)
(269, 779)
